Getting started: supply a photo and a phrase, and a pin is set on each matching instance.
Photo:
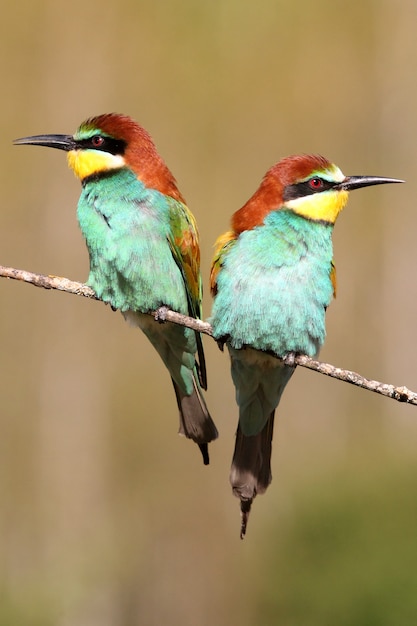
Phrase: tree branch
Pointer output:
(401, 394)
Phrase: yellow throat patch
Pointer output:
(85, 163)
(324, 206)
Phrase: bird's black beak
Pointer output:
(355, 182)
(62, 142)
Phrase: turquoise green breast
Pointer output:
(126, 229)
(274, 286)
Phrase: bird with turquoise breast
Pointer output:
(272, 279)
(144, 248)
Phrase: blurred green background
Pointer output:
(107, 517)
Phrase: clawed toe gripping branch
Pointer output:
(401, 394)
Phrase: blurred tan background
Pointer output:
(107, 517)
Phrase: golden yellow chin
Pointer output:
(320, 206)
(85, 163)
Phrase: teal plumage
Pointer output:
(144, 250)
(272, 279)
(126, 227)
(258, 270)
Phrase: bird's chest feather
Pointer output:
(126, 230)
(274, 287)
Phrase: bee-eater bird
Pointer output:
(272, 279)
(143, 246)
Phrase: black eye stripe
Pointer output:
(299, 190)
(113, 146)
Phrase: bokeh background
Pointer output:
(107, 517)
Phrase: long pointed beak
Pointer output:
(62, 142)
(355, 182)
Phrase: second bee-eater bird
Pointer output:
(143, 246)
(272, 279)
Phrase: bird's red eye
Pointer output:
(315, 183)
(97, 141)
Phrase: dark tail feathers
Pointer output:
(250, 473)
(195, 420)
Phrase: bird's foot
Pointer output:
(161, 314)
(221, 341)
(245, 506)
(289, 359)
